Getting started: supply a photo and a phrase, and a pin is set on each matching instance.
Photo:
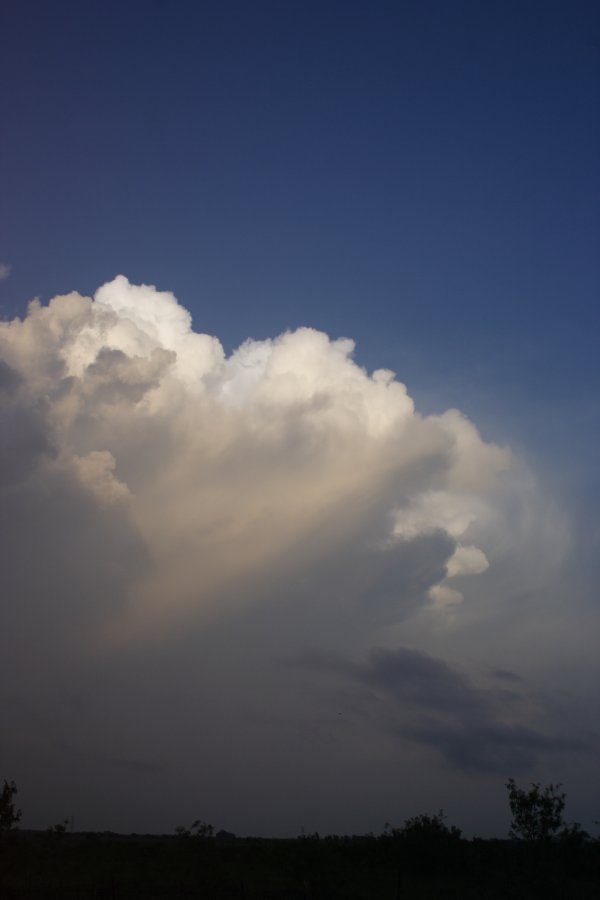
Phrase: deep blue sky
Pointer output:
(421, 175)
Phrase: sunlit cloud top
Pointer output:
(230, 469)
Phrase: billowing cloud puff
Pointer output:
(282, 461)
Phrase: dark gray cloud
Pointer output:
(475, 728)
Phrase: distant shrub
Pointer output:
(426, 829)
(199, 829)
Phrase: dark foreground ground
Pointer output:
(44, 866)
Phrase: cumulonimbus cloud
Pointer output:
(223, 475)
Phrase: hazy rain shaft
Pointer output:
(229, 473)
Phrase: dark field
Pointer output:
(40, 865)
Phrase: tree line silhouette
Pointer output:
(543, 856)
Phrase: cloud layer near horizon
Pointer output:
(228, 473)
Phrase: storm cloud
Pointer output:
(177, 521)
(225, 472)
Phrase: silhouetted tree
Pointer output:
(9, 815)
(537, 814)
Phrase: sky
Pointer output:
(299, 397)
